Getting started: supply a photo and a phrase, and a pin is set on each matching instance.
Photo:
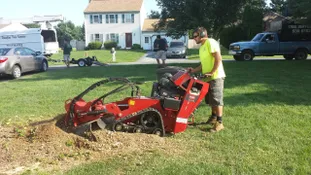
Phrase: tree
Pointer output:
(67, 30)
(188, 14)
(154, 15)
(301, 10)
(279, 6)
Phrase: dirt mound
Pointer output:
(46, 145)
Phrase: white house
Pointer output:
(149, 34)
(123, 21)
(114, 20)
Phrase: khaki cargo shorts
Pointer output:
(66, 57)
(215, 96)
(161, 54)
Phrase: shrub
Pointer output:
(110, 44)
(94, 45)
(136, 47)
(232, 34)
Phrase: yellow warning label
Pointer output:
(131, 102)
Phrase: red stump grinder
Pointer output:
(173, 100)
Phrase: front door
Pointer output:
(128, 39)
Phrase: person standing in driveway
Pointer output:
(160, 47)
(211, 66)
(66, 51)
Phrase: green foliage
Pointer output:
(136, 47)
(252, 21)
(300, 10)
(33, 25)
(154, 15)
(94, 45)
(189, 14)
(67, 30)
(250, 25)
(69, 143)
(110, 44)
(232, 34)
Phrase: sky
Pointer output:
(71, 9)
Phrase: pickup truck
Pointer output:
(268, 44)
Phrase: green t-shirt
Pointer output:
(67, 49)
(207, 59)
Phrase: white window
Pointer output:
(97, 37)
(112, 18)
(96, 19)
(112, 37)
(127, 18)
(146, 39)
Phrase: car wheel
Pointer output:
(81, 63)
(301, 54)
(288, 57)
(44, 66)
(16, 72)
(247, 55)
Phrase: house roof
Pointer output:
(3, 25)
(96, 6)
(149, 24)
(272, 16)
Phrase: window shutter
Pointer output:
(100, 19)
(132, 15)
(107, 37)
(107, 19)
(123, 18)
(116, 18)
(117, 38)
(91, 19)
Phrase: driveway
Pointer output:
(149, 58)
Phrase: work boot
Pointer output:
(217, 127)
(212, 120)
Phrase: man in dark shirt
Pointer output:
(160, 47)
(67, 50)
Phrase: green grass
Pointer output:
(267, 119)
(104, 55)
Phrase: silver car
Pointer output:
(176, 49)
(15, 61)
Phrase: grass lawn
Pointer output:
(267, 119)
(104, 55)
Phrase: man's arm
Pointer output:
(197, 69)
(217, 62)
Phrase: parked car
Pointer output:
(15, 61)
(291, 41)
(176, 49)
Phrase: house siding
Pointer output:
(118, 28)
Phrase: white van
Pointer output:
(43, 40)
